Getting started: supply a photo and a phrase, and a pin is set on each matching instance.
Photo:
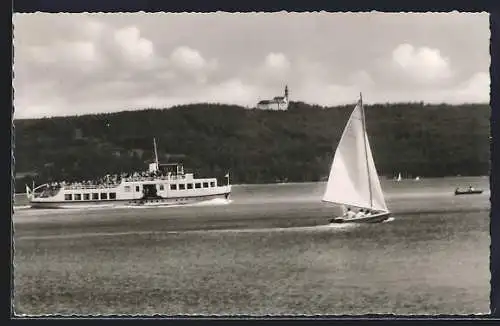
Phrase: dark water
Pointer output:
(268, 252)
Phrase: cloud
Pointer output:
(93, 29)
(277, 61)
(361, 78)
(191, 62)
(271, 71)
(187, 58)
(232, 91)
(63, 52)
(424, 65)
(85, 63)
(35, 102)
(476, 89)
(135, 48)
(325, 94)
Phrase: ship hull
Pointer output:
(467, 192)
(154, 202)
(376, 218)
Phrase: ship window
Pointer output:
(104, 195)
(127, 188)
(197, 185)
(78, 197)
(112, 195)
(173, 187)
(137, 188)
(162, 187)
(68, 197)
(182, 186)
(95, 196)
(190, 186)
(86, 196)
(212, 184)
(205, 184)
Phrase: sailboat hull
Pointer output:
(376, 218)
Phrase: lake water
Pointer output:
(267, 252)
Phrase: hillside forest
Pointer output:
(256, 146)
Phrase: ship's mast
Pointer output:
(156, 154)
(366, 147)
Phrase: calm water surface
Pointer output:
(267, 252)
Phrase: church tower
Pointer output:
(285, 99)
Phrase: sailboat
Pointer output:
(399, 177)
(353, 182)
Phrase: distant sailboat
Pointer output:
(353, 180)
(399, 177)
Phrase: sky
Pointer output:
(74, 64)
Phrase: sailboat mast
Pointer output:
(366, 149)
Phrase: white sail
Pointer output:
(378, 200)
(353, 179)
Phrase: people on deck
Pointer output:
(109, 180)
(360, 213)
(349, 213)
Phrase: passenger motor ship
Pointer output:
(162, 185)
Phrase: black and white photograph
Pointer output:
(251, 164)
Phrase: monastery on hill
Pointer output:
(277, 103)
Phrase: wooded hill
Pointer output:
(256, 146)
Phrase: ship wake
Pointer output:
(210, 202)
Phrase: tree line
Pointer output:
(256, 146)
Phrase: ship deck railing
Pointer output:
(162, 177)
(89, 187)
